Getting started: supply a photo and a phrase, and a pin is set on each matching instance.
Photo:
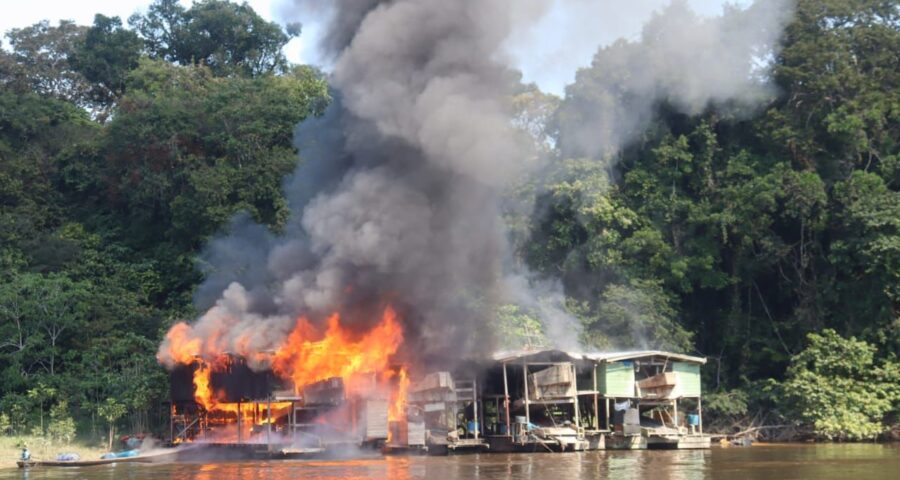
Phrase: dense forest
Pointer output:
(767, 241)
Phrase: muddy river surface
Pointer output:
(766, 462)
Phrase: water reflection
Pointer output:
(758, 462)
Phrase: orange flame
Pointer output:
(305, 359)
(202, 391)
(397, 408)
(306, 356)
(182, 347)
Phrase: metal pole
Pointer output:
(239, 422)
(596, 401)
(475, 406)
(506, 401)
(527, 411)
(172, 423)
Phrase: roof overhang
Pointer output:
(511, 356)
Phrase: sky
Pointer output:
(548, 53)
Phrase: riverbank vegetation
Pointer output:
(767, 241)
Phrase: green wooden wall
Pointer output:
(616, 379)
(688, 378)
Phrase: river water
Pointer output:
(764, 462)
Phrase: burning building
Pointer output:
(340, 384)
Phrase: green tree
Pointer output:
(62, 426)
(866, 255)
(229, 38)
(41, 54)
(40, 394)
(160, 27)
(58, 306)
(35, 132)
(837, 387)
(46, 311)
(105, 57)
(186, 151)
(111, 411)
(838, 71)
(638, 316)
(5, 424)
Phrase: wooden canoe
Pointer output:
(154, 457)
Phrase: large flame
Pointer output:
(397, 407)
(306, 356)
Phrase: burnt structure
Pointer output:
(235, 381)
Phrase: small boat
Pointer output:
(77, 463)
(146, 458)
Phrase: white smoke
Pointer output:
(681, 58)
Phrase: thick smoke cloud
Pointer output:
(397, 198)
(398, 195)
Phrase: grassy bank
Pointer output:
(44, 449)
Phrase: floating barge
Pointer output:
(572, 401)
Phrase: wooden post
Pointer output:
(497, 409)
(700, 414)
(506, 401)
(527, 411)
(269, 423)
(608, 426)
(577, 412)
(239, 422)
(675, 417)
(354, 415)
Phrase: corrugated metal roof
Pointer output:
(630, 355)
(508, 356)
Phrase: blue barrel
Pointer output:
(472, 426)
(125, 454)
(502, 430)
(693, 419)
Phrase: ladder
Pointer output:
(467, 391)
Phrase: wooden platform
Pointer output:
(468, 445)
(679, 442)
(506, 444)
(626, 442)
